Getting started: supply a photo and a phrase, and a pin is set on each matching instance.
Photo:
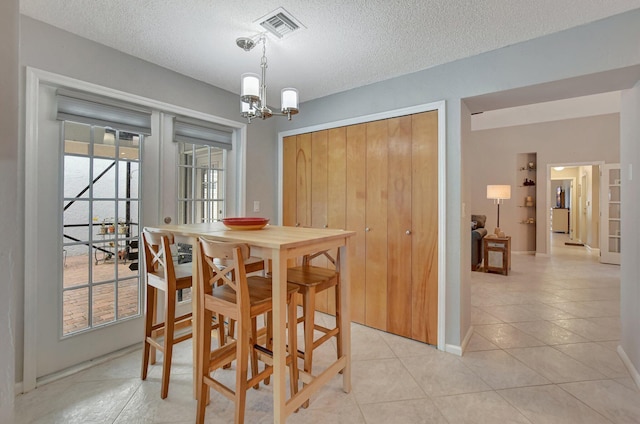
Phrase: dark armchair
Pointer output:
(477, 234)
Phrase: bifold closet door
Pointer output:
(424, 217)
(399, 226)
(355, 216)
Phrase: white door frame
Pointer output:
(34, 79)
(547, 232)
(440, 106)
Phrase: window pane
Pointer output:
(129, 146)
(104, 175)
(75, 310)
(185, 154)
(104, 265)
(128, 179)
(76, 177)
(104, 143)
(75, 221)
(104, 304)
(128, 302)
(76, 266)
(77, 138)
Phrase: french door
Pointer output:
(89, 202)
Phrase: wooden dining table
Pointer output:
(280, 244)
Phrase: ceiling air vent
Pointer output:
(280, 23)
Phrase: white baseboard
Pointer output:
(459, 350)
(627, 363)
(77, 368)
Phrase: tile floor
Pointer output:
(543, 351)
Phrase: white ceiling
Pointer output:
(347, 43)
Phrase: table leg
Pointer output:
(279, 273)
(195, 253)
(345, 315)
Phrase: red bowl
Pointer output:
(246, 223)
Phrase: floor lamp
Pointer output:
(498, 193)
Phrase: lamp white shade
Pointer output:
(250, 85)
(289, 99)
(246, 108)
(499, 192)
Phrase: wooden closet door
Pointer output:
(399, 227)
(356, 150)
(289, 147)
(319, 196)
(337, 191)
(424, 216)
(303, 180)
(376, 225)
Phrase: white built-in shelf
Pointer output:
(614, 236)
(614, 219)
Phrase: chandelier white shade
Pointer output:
(253, 88)
(250, 87)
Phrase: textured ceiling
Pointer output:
(347, 43)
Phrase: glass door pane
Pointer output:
(101, 283)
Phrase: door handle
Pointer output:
(408, 232)
(366, 230)
(326, 225)
(167, 220)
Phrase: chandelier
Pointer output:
(253, 90)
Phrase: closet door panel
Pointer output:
(424, 212)
(319, 198)
(399, 224)
(289, 146)
(336, 191)
(376, 225)
(303, 180)
(356, 150)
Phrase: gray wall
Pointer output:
(601, 46)
(580, 140)
(630, 197)
(10, 252)
(45, 47)
(604, 45)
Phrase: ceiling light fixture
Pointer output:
(253, 90)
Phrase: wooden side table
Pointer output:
(497, 254)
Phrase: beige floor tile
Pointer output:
(421, 411)
(507, 336)
(323, 416)
(367, 343)
(554, 365)
(478, 343)
(441, 374)
(551, 405)
(548, 312)
(593, 329)
(501, 370)
(383, 380)
(403, 347)
(593, 309)
(598, 357)
(513, 313)
(548, 332)
(616, 402)
(478, 316)
(479, 408)
(83, 402)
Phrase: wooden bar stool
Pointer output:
(311, 280)
(226, 291)
(161, 274)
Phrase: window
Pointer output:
(101, 199)
(201, 183)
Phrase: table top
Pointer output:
(271, 236)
